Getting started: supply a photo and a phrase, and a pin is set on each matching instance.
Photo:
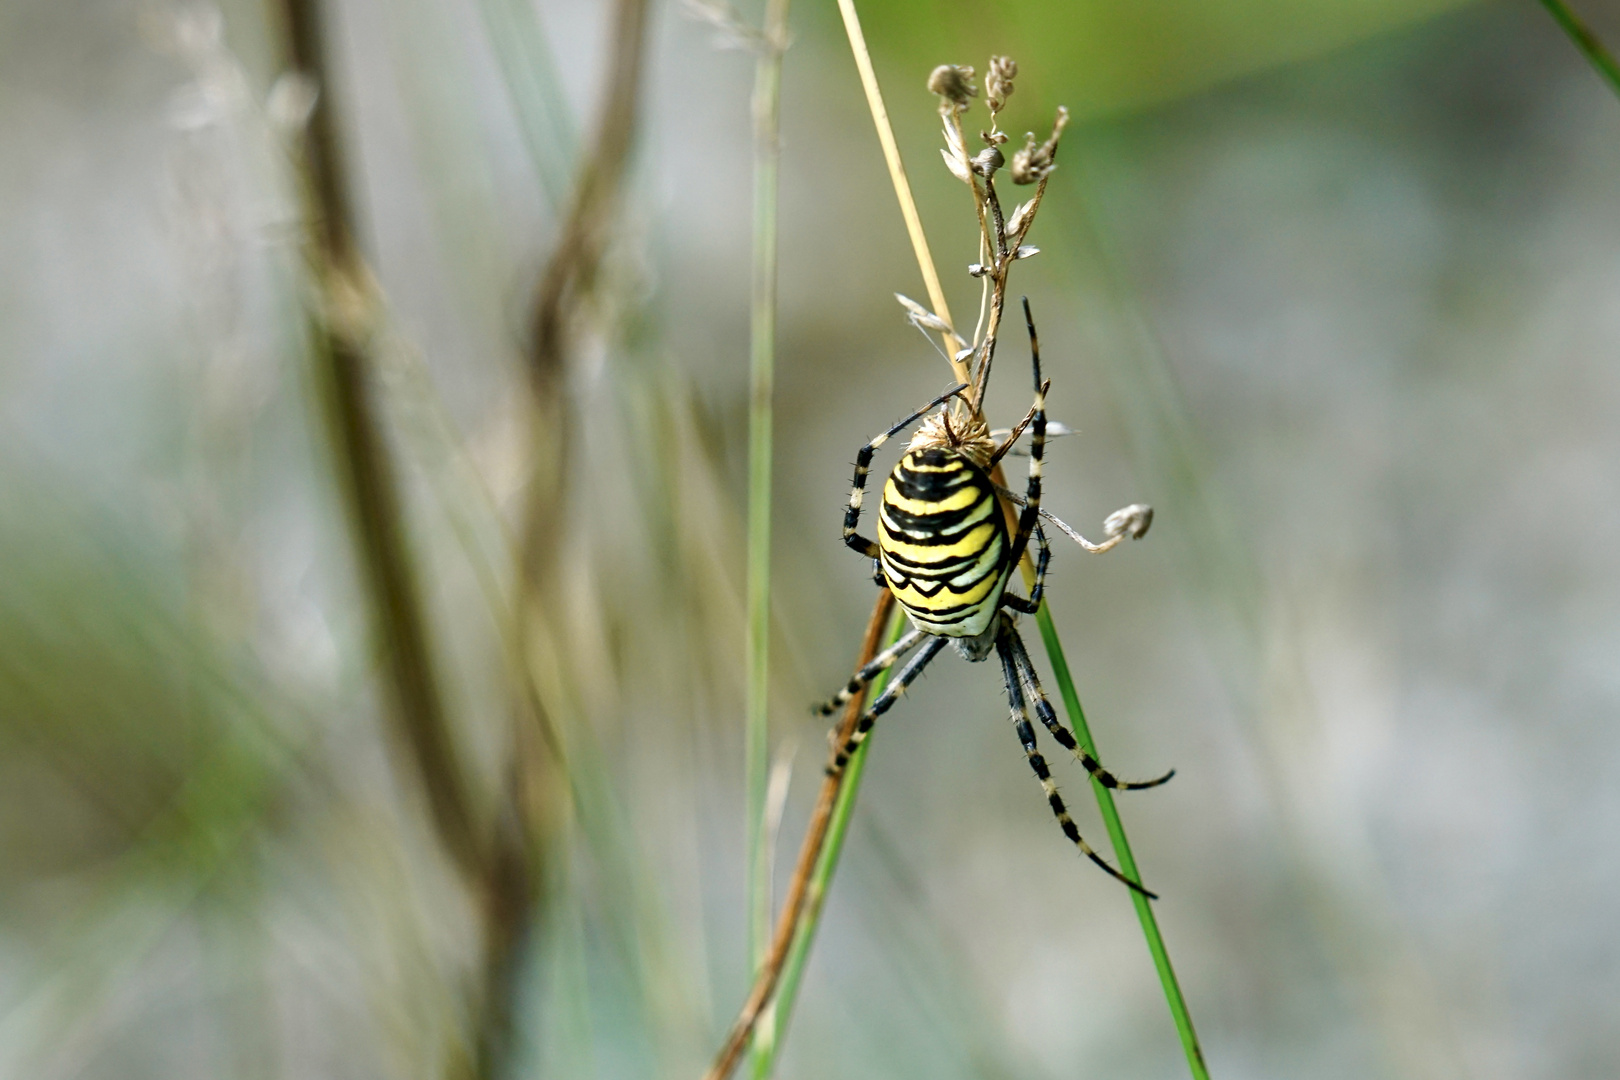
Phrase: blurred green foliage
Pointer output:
(1100, 58)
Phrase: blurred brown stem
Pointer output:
(815, 837)
(569, 278)
(497, 864)
(564, 290)
(343, 330)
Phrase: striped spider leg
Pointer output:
(1009, 646)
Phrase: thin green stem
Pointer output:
(529, 70)
(773, 1024)
(1594, 50)
(1122, 850)
(762, 361)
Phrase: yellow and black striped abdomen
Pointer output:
(943, 542)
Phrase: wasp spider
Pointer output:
(944, 550)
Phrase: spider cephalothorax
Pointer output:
(944, 550)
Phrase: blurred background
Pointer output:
(1334, 285)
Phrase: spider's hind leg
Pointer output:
(1031, 515)
(1026, 735)
(891, 693)
(1043, 709)
(880, 663)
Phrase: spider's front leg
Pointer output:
(863, 464)
(1033, 604)
(1030, 517)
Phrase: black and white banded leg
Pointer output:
(863, 464)
(1065, 738)
(1030, 516)
(880, 663)
(1033, 604)
(891, 694)
(1026, 735)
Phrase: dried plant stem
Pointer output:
(902, 188)
(781, 1008)
(562, 297)
(762, 360)
(493, 861)
(344, 329)
(788, 919)
(1596, 53)
(567, 282)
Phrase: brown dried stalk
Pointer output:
(562, 296)
(570, 276)
(787, 921)
(343, 328)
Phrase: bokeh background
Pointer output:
(1334, 285)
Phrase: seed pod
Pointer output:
(954, 83)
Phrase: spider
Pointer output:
(944, 551)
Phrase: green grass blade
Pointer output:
(762, 362)
(529, 71)
(773, 1024)
(1594, 50)
(1122, 850)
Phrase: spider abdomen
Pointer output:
(943, 543)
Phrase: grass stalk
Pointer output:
(529, 71)
(902, 186)
(1596, 53)
(1122, 849)
(775, 1020)
(815, 835)
(762, 362)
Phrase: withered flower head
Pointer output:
(987, 161)
(998, 82)
(954, 83)
(1132, 521)
(1033, 163)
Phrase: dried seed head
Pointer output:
(987, 161)
(954, 84)
(998, 82)
(1132, 521)
(1027, 165)
(1033, 163)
